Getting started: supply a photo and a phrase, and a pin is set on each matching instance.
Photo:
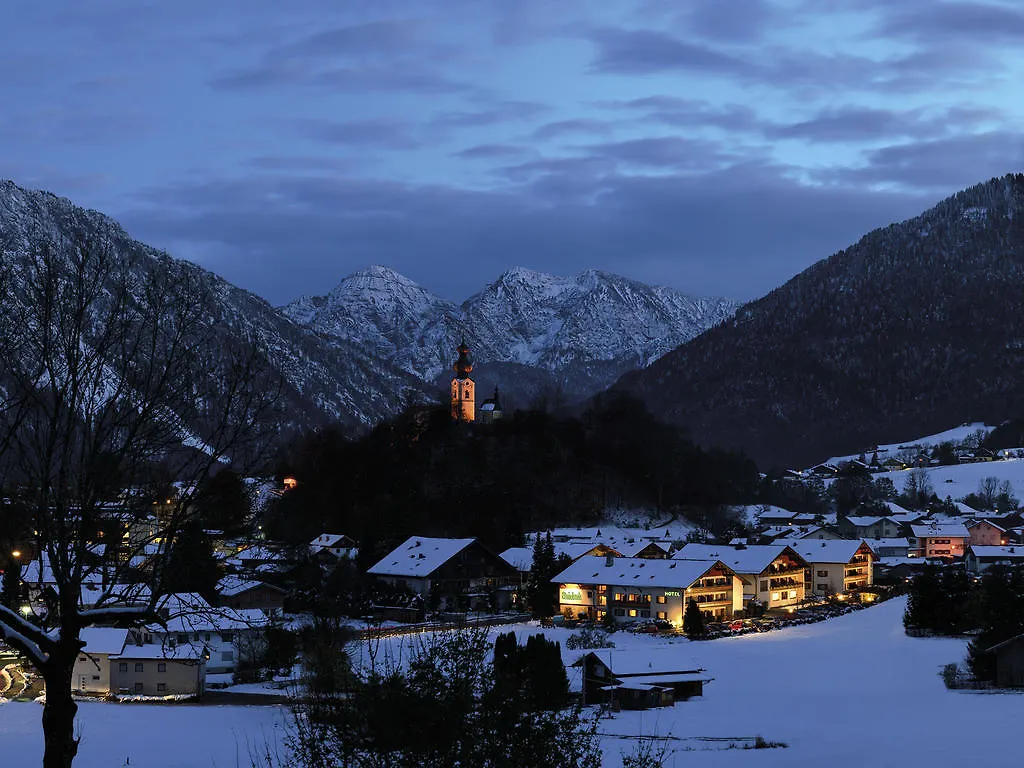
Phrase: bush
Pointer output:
(588, 639)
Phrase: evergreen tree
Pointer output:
(540, 592)
(223, 502)
(190, 565)
(693, 620)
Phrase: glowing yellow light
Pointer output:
(16, 554)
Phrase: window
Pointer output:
(82, 658)
(138, 687)
(227, 656)
(632, 612)
(161, 667)
(602, 599)
(161, 687)
(632, 597)
(183, 637)
(206, 637)
(791, 594)
(764, 585)
(822, 574)
(620, 611)
(147, 637)
(122, 667)
(138, 666)
(823, 587)
(226, 636)
(590, 595)
(619, 597)
(662, 615)
(645, 614)
(661, 599)
(775, 596)
(95, 677)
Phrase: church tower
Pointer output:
(463, 395)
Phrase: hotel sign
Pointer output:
(570, 595)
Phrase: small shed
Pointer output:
(633, 673)
(1009, 662)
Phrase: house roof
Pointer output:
(991, 552)
(863, 521)
(105, 640)
(888, 542)
(829, 550)
(668, 660)
(419, 556)
(752, 559)
(632, 549)
(189, 612)
(973, 523)
(520, 558)
(635, 571)
(229, 585)
(943, 530)
(162, 652)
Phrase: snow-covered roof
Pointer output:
(863, 521)
(419, 556)
(751, 559)
(997, 553)
(888, 542)
(520, 558)
(230, 585)
(634, 571)
(828, 550)
(649, 661)
(189, 612)
(627, 549)
(106, 640)
(940, 530)
(989, 522)
(896, 509)
(190, 651)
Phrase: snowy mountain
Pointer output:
(530, 332)
(320, 381)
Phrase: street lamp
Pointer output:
(16, 554)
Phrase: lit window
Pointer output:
(775, 596)
(661, 599)
(662, 615)
(632, 612)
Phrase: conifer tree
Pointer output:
(693, 620)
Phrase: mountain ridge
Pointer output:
(916, 326)
(571, 334)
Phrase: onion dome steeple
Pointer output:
(463, 366)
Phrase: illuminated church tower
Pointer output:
(463, 397)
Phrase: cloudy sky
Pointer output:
(717, 146)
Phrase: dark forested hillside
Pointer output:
(917, 327)
(422, 474)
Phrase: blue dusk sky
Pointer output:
(715, 146)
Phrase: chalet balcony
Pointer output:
(855, 572)
(787, 583)
(720, 597)
(860, 560)
(712, 583)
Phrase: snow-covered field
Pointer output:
(958, 480)
(954, 435)
(847, 692)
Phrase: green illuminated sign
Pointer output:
(672, 593)
(570, 596)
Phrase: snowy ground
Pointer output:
(954, 435)
(846, 692)
(958, 480)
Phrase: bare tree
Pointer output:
(101, 354)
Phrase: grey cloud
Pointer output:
(665, 152)
(851, 124)
(639, 52)
(339, 79)
(386, 134)
(940, 164)
(578, 125)
(497, 113)
(979, 22)
(492, 151)
(736, 20)
(736, 232)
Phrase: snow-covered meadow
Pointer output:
(850, 691)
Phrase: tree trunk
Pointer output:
(61, 746)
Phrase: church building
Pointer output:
(463, 394)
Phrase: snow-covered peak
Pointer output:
(587, 328)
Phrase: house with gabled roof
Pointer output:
(935, 539)
(633, 589)
(868, 527)
(979, 558)
(448, 567)
(640, 678)
(837, 567)
(984, 532)
(772, 574)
